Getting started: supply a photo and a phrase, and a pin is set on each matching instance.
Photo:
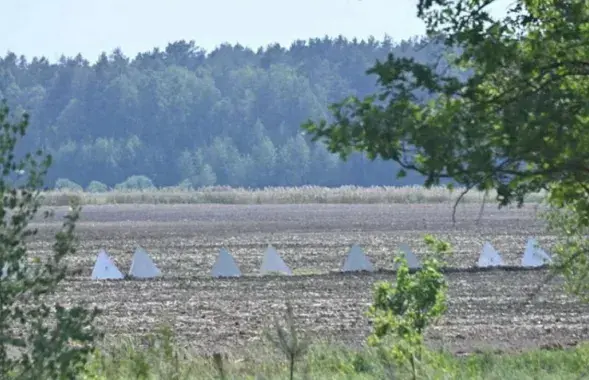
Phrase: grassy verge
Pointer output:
(165, 359)
(274, 195)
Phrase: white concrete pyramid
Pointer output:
(489, 257)
(5, 271)
(412, 260)
(535, 256)
(225, 265)
(272, 263)
(357, 261)
(23, 268)
(105, 268)
(142, 265)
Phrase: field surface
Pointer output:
(486, 309)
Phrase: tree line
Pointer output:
(182, 115)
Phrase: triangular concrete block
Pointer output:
(412, 260)
(489, 257)
(105, 268)
(357, 261)
(225, 265)
(535, 256)
(5, 269)
(143, 266)
(273, 263)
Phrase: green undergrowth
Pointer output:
(161, 357)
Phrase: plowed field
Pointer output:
(485, 308)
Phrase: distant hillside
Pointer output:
(228, 117)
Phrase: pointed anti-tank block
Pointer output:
(143, 266)
(357, 261)
(225, 265)
(489, 257)
(105, 268)
(535, 256)
(4, 273)
(412, 260)
(273, 263)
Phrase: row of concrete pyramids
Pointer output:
(534, 256)
(143, 266)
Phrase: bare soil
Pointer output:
(486, 309)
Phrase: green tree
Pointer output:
(265, 156)
(136, 182)
(187, 166)
(323, 165)
(37, 340)
(571, 249)
(229, 165)
(404, 309)
(67, 184)
(295, 161)
(518, 124)
(118, 116)
(195, 171)
(96, 187)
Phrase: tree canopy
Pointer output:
(230, 116)
(518, 123)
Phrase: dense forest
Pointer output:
(231, 116)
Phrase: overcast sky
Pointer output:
(53, 27)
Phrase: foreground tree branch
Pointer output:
(517, 125)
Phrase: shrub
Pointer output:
(402, 311)
(185, 185)
(38, 340)
(66, 184)
(288, 340)
(136, 182)
(96, 187)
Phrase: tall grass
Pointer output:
(273, 195)
(161, 357)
